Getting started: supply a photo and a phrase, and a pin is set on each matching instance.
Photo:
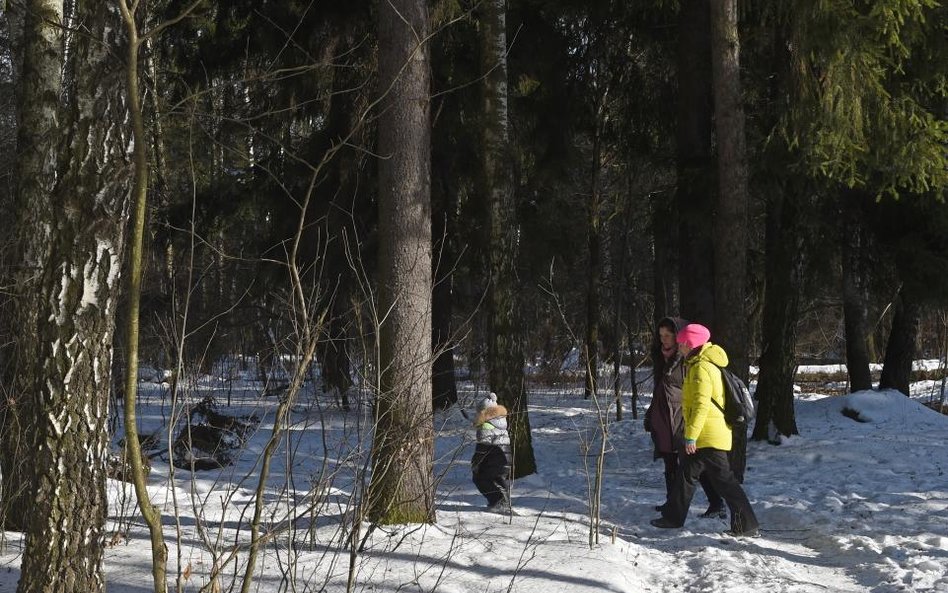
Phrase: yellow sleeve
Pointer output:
(703, 388)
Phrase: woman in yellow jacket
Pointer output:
(707, 435)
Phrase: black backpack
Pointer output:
(738, 406)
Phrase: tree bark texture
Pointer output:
(402, 487)
(900, 348)
(37, 140)
(854, 243)
(76, 318)
(694, 166)
(784, 268)
(730, 217)
(505, 351)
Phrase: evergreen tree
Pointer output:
(506, 339)
(402, 487)
(730, 214)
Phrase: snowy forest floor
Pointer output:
(844, 506)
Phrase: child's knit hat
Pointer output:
(488, 402)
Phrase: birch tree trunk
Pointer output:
(76, 318)
(402, 487)
(37, 138)
(506, 342)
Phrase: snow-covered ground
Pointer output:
(845, 506)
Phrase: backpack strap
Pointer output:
(723, 385)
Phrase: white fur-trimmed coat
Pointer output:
(491, 425)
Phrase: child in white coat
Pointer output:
(491, 462)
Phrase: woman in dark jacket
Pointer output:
(663, 416)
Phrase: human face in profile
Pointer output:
(667, 338)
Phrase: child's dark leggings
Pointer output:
(491, 468)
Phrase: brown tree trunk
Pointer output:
(333, 351)
(900, 348)
(730, 218)
(37, 138)
(505, 350)
(402, 487)
(854, 239)
(593, 275)
(695, 175)
(784, 277)
(76, 318)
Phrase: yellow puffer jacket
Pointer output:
(704, 422)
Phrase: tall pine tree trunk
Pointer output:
(402, 487)
(593, 272)
(37, 138)
(784, 277)
(900, 349)
(854, 239)
(506, 343)
(76, 318)
(730, 219)
(695, 175)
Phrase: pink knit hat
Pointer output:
(693, 335)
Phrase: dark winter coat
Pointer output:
(663, 418)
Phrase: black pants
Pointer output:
(671, 474)
(714, 464)
(491, 470)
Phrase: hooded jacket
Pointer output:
(491, 423)
(663, 416)
(704, 422)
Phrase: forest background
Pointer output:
(388, 190)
